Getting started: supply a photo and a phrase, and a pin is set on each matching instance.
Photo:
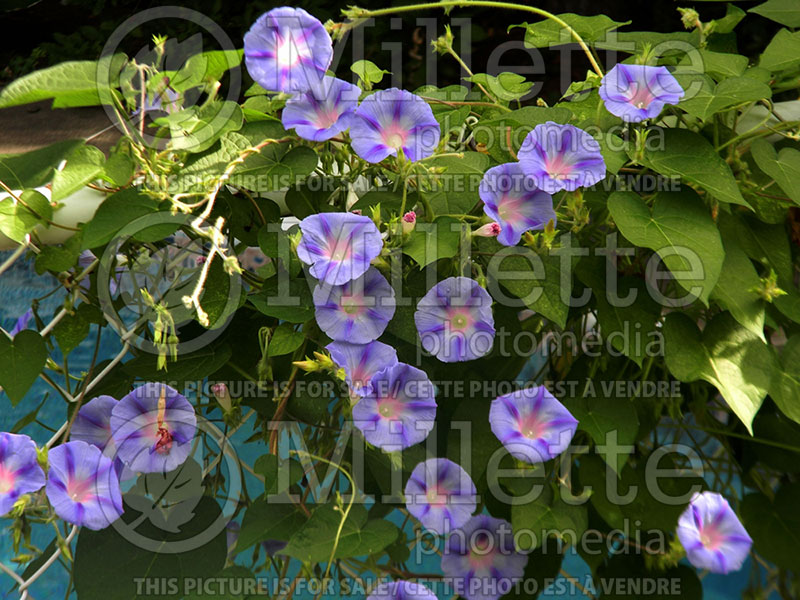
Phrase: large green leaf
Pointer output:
(783, 52)
(608, 418)
(629, 325)
(548, 514)
(733, 359)
(734, 289)
(108, 565)
(785, 12)
(34, 168)
(431, 241)
(689, 156)
(542, 282)
(197, 128)
(116, 211)
(71, 83)
(84, 165)
(638, 495)
(17, 219)
(679, 222)
(775, 526)
(21, 361)
(455, 190)
(546, 33)
(711, 99)
(785, 386)
(269, 521)
(314, 541)
(783, 167)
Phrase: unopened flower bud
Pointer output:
(223, 395)
(324, 360)
(308, 365)
(409, 222)
(489, 230)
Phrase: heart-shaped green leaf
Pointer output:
(21, 361)
(730, 357)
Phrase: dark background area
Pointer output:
(39, 34)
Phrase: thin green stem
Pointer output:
(365, 14)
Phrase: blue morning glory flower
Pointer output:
(153, 428)
(287, 50)
(712, 534)
(441, 495)
(357, 311)
(399, 411)
(20, 472)
(323, 112)
(338, 246)
(360, 363)
(392, 120)
(561, 157)
(532, 424)
(454, 320)
(480, 559)
(511, 198)
(638, 92)
(83, 486)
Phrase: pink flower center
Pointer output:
(164, 441)
(327, 117)
(6, 480)
(508, 207)
(394, 136)
(460, 320)
(79, 490)
(531, 427)
(557, 168)
(352, 306)
(436, 496)
(389, 408)
(482, 554)
(341, 250)
(640, 95)
(711, 537)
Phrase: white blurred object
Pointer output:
(77, 208)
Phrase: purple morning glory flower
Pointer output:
(561, 157)
(93, 422)
(324, 112)
(401, 590)
(399, 411)
(82, 485)
(360, 363)
(338, 246)
(481, 559)
(531, 424)
(441, 495)
(638, 92)
(153, 428)
(273, 547)
(512, 199)
(454, 320)
(287, 50)
(357, 311)
(22, 322)
(391, 120)
(20, 473)
(712, 534)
